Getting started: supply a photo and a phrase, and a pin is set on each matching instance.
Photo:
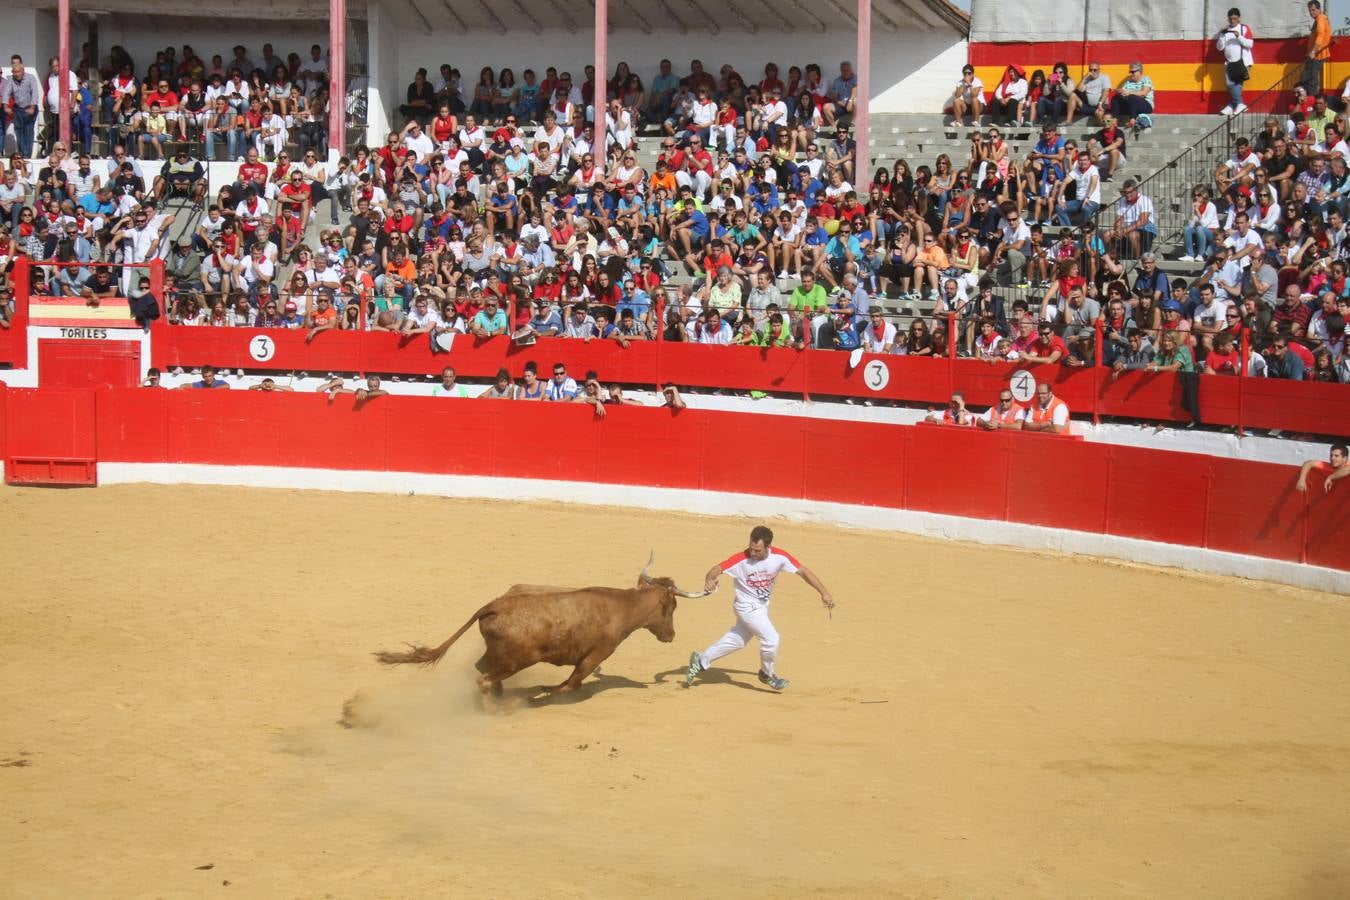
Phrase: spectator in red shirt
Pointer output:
(1224, 359)
(1049, 349)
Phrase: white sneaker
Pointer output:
(1239, 109)
(1227, 110)
(1185, 259)
(782, 276)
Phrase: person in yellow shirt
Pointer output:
(1319, 49)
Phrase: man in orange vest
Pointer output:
(1048, 412)
(1005, 414)
(1319, 49)
(954, 414)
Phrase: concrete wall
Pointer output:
(912, 71)
(206, 37)
(31, 33)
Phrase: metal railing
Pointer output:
(1170, 186)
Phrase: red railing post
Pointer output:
(1245, 345)
(23, 284)
(363, 341)
(18, 324)
(806, 352)
(1098, 362)
(951, 352)
(157, 277)
(658, 332)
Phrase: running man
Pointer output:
(754, 569)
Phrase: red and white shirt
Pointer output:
(755, 580)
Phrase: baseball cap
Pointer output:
(1171, 306)
(290, 306)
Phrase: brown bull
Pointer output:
(577, 627)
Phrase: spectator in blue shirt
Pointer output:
(1281, 362)
(208, 380)
(841, 254)
(503, 209)
(490, 320)
(763, 195)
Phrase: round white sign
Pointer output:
(876, 375)
(262, 348)
(1023, 386)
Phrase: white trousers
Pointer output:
(749, 623)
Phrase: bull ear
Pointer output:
(645, 576)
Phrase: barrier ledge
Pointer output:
(718, 503)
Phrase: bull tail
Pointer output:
(427, 656)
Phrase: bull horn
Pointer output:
(690, 595)
(645, 576)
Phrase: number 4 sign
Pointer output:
(1022, 385)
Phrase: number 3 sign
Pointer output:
(876, 375)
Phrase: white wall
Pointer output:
(385, 92)
(912, 71)
(31, 33)
(206, 37)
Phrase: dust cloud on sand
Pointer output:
(177, 666)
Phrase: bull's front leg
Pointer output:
(588, 664)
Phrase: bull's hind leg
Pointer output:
(588, 664)
(494, 670)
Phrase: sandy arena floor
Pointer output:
(973, 723)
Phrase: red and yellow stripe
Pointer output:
(72, 312)
(1187, 75)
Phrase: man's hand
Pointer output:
(827, 599)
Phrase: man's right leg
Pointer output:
(728, 643)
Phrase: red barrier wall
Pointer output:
(1176, 498)
(1249, 402)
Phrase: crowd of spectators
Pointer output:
(489, 213)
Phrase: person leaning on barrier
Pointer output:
(1006, 414)
(1337, 467)
(592, 394)
(1047, 412)
(208, 381)
(955, 412)
(334, 386)
(670, 397)
(502, 388)
(268, 385)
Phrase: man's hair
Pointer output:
(761, 534)
(1340, 447)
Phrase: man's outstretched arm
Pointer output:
(810, 578)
